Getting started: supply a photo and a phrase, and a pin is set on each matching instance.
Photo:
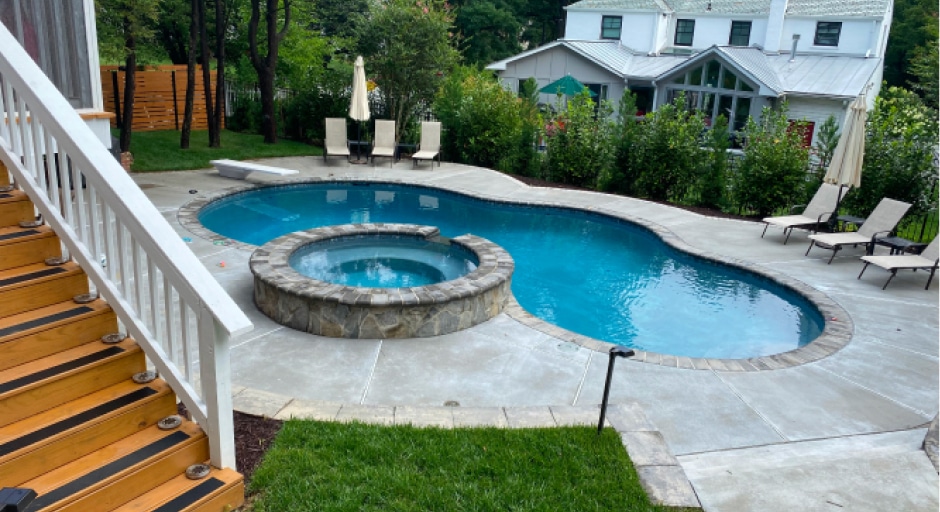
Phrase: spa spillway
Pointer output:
(380, 281)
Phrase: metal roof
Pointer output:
(650, 67)
(655, 5)
(721, 6)
(873, 8)
(868, 8)
(754, 62)
(827, 76)
(610, 54)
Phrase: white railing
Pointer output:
(164, 297)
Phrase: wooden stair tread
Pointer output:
(26, 275)
(40, 332)
(184, 495)
(13, 196)
(65, 363)
(15, 234)
(42, 442)
(54, 314)
(115, 473)
(51, 381)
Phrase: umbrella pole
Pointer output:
(359, 143)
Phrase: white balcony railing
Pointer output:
(164, 297)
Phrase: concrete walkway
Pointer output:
(840, 433)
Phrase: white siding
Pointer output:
(639, 30)
(816, 110)
(855, 38)
(583, 25)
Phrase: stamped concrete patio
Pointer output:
(843, 432)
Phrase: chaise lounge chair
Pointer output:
(929, 259)
(881, 222)
(336, 143)
(430, 146)
(384, 143)
(815, 213)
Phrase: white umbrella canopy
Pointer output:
(359, 104)
(845, 168)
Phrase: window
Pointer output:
(827, 33)
(685, 29)
(740, 33)
(610, 27)
(53, 34)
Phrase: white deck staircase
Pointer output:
(91, 298)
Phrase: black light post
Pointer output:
(615, 352)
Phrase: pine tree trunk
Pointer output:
(206, 72)
(220, 26)
(268, 119)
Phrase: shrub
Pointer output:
(772, 171)
(578, 142)
(901, 134)
(485, 124)
(629, 150)
(712, 182)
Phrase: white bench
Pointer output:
(241, 170)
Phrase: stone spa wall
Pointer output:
(338, 311)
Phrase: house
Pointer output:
(108, 321)
(730, 57)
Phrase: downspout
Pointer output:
(655, 95)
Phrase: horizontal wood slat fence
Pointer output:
(159, 98)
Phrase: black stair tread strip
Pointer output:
(19, 234)
(48, 319)
(191, 496)
(109, 469)
(32, 275)
(5, 196)
(59, 369)
(73, 421)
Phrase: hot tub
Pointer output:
(380, 281)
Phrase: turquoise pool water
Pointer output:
(382, 261)
(590, 274)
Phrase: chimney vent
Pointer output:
(796, 40)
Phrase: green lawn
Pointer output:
(160, 151)
(337, 466)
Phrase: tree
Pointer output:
(128, 23)
(190, 74)
(488, 30)
(923, 67)
(339, 18)
(407, 47)
(910, 29)
(544, 21)
(266, 65)
(900, 137)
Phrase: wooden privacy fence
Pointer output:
(159, 97)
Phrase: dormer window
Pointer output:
(610, 27)
(827, 33)
(740, 33)
(685, 30)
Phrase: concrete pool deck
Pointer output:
(843, 432)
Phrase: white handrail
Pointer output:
(158, 288)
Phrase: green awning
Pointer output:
(566, 85)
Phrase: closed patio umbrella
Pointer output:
(845, 168)
(359, 102)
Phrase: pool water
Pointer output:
(600, 277)
(382, 261)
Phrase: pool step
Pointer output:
(26, 246)
(45, 383)
(37, 285)
(41, 332)
(15, 207)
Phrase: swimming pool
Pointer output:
(594, 275)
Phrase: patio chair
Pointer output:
(881, 222)
(384, 143)
(430, 146)
(335, 143)
(817, 212)
(928, 259)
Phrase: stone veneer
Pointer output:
(339, 311)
